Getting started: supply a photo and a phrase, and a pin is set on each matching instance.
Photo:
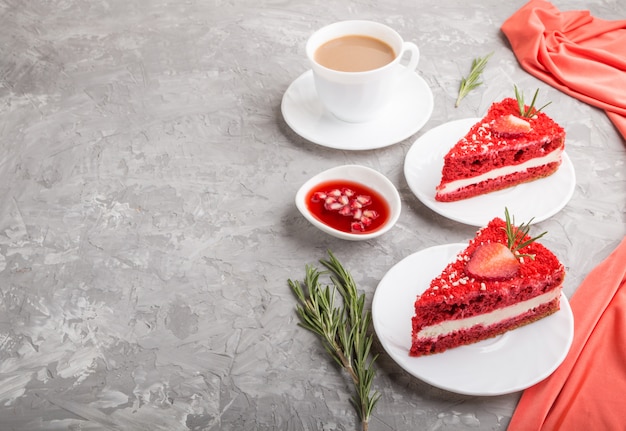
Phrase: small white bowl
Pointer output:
(358, 174)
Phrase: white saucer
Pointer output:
(537, 200)
(409, 110)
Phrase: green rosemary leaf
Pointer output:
(531, 110)
(515, 235)
(344, 330)
(472, 81)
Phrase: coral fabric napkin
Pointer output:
(588, 390)
(579, 54)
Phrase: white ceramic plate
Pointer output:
(359, 174)
(410, 109)
(540, 199)
(508, 363)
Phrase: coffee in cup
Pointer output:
(354, 53)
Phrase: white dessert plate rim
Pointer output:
(537, 200)
(410, 109)
(508, 363)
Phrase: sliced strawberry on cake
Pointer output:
(493, 261)
(502, 280)
(510, 126)
(514, 143)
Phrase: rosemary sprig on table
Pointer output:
(531, 110)
(343, 328)
(472, 80)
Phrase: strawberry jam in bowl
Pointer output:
(350, 202)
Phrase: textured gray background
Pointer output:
(147, 224)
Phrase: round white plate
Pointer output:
(410, 109)
(540, 199)
(508, 363)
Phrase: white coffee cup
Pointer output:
(357, 97)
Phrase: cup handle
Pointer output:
(415, 55)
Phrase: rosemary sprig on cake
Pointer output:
(530, 110)
(497, 261)
(343, 329)
(515, 235)
(472, 80)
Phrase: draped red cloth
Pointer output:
(579, 54)
(588, 390)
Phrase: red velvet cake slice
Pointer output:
(512, 144)
(502, 280)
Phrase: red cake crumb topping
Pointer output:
(516, 149)
(454, 280)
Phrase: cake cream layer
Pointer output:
(552, 157)
(487, 319)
